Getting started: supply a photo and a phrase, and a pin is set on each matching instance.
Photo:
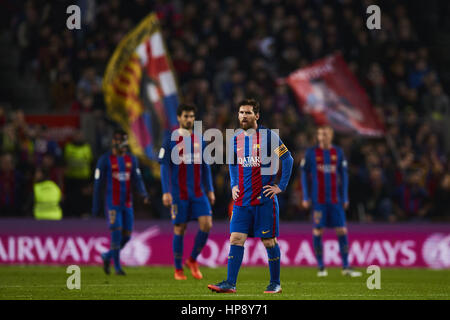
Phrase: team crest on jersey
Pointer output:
(114, 166)
(318, 159)
(256, 146)
(317, 215)
(128, 165)
(333, 157)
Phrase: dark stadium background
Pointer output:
(223, 51)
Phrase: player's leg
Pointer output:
(201, 210)
(319, 219)
(338, 222)
(116, 225)
(127, 229)
(205, 225)
(177, 246)
(240, 223)
(341, 233)
(179, 214)
(274, 256)
(235, 256)
(267, 228)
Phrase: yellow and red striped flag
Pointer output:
(140, 88)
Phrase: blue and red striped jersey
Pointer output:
(324, 175)
(255, 163)
(118, 172)
(184, 173)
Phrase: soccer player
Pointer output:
(325, 167)
(258, 151)
(187, 188)
(118, 168)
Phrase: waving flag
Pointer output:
(140, 88)
(330, 92)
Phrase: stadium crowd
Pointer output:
(223, 51)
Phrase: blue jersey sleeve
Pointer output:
(206, 170)
(232, 163)
(342, 169)
(207, 177)
(305, 166)
(233, 175)
(164, 161)
(286, 170)
(282, 152)
(136, 176)
(99, 176)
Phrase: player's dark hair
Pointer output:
(325, 126)
(250, 102)
(186, 107)
(120, 132)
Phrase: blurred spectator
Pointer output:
(11, 187)
(47, 196)
(441, 204)
(378, 201)
(63, 92)
(78, 166)
(55, 173)
(43, 144)
(412, 199)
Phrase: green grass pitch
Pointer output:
(44, 282)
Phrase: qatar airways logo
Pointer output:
(121, 176)
(327, 168)
(249, 161)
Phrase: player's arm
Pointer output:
(342, 169)
(287, 163)
(284, 155)
(99, 177)
(304, 172)
(164, 162)
(234, 171)
(136, 176)
(208, 182)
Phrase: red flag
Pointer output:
(330, 92)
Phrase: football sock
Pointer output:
(199, 243)
(343, 248)
(116, 238)
(274, 263)
(318, 250)
(178, 251)
(124, 241)
(234, 263)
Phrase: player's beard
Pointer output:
(247, 124)
(119, 150)
(188, 126)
